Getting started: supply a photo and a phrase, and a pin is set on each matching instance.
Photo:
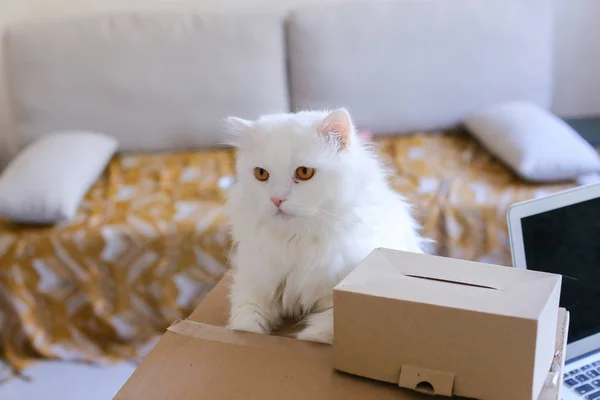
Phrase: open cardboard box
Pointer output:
(198, 359)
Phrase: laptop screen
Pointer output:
(566, 241)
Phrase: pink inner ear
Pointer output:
(340, 130)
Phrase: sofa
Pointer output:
(151, 237)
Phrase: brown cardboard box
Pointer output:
(447, 326)
(197, 359)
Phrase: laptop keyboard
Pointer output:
(584, 380)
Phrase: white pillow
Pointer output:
(537, 145)
(46, 182)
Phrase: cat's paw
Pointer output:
(247, 326)
(317, 334)
(248, 321)
(319, 327)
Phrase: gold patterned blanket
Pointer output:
(151, 239)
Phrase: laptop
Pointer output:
(560, 234)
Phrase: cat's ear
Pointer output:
(337, 125)
(235, 128)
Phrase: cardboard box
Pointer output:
(447, 326)
(198, 359)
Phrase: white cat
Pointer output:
(311, 201)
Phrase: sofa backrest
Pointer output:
(164, 81)
(413, 65)
(155, 81)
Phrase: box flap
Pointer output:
(196, 361)
(214, 308)
(554, 383)
(452, 283)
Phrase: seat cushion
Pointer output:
(151, 238)
(461, 193)
(413, 65)
(155, 81)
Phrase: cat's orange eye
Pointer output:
(304, 173)
(261, 174)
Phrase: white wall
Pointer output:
(577, 63)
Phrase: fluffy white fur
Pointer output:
(287, 262)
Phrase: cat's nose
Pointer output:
(277, 200)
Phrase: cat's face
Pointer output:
(294, 168)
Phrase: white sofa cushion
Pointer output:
(153, 80)
(46, 182)
(537, 145)
(414, 65)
